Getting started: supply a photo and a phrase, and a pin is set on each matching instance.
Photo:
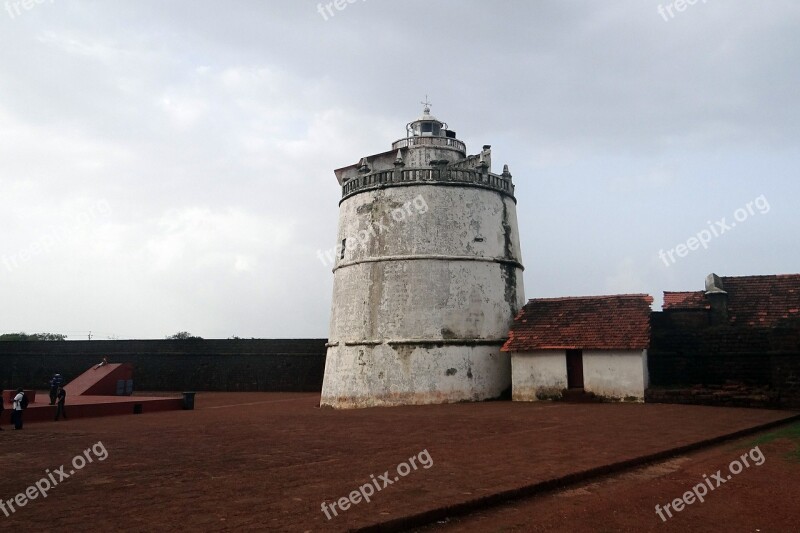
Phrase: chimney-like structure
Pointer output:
(717, 298)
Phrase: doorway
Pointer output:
(575, 369)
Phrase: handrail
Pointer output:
(424, 140)
(406, 176)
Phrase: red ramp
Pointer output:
(100, 391)
(102, 381)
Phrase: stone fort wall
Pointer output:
(691, 361)
(290, 365)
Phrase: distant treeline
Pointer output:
(22, 336)
(32, 337)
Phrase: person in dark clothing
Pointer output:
(55, 382)
(62, 397)
(1, 408)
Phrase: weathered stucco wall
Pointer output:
(385, 375)
(538, 375)
(436, 268)
(609, 374)
(615, 374)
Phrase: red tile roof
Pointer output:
(619, 322)
(762, 301)
(685, 300)
(753, 301)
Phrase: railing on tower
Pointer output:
(429, 141)
(397, 176)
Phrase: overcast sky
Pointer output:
(168, 165)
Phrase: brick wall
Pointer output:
(169, 365)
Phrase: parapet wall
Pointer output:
(290, 365)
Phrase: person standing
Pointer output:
(62, 397)
(55, 382)
(16, 414)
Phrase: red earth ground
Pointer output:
(760, 498)
(261, 461)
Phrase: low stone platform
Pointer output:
(8, 396)
(93, 406)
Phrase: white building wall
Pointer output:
(542, 373)
(615, 374)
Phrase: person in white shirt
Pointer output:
(16, 414)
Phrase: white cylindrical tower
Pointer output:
(428, 275)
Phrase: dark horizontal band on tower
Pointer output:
(455, 177)
(431, 257)
(423, 342)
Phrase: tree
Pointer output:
(22, 336)
(183, 336)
